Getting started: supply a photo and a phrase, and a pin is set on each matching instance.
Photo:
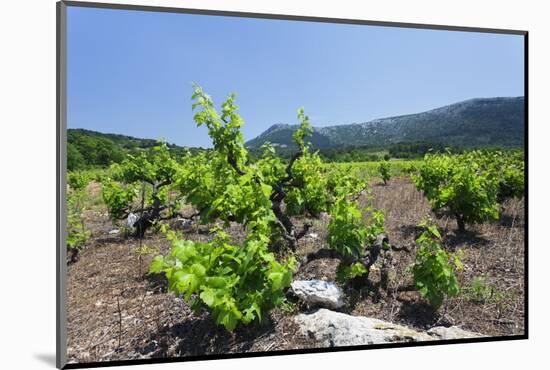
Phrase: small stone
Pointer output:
(114, 232)
(184, 223)
(319, 293)
(131, 220)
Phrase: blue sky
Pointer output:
(130, 72)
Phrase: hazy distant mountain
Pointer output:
(474, 122)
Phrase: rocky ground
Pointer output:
(117, 312)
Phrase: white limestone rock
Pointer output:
(319, 293)
(333, 329)
(131, 220)
(453, 332)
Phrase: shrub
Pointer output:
(241, 282)
(151, 173)
(384, 171)
(459, 186)
(237, 283)
(434, 269)
(77, 234)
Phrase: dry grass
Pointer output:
(492, 251)
(115, 312)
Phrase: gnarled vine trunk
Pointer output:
(460, 223)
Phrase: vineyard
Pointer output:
(182, 254)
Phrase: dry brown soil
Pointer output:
(115, 311)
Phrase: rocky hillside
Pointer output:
(474, 122)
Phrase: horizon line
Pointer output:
(314, 126)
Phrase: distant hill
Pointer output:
(124, 141)
(471, 123)
(474, 122)
(86, 148)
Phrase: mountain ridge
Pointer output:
(472, 122)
